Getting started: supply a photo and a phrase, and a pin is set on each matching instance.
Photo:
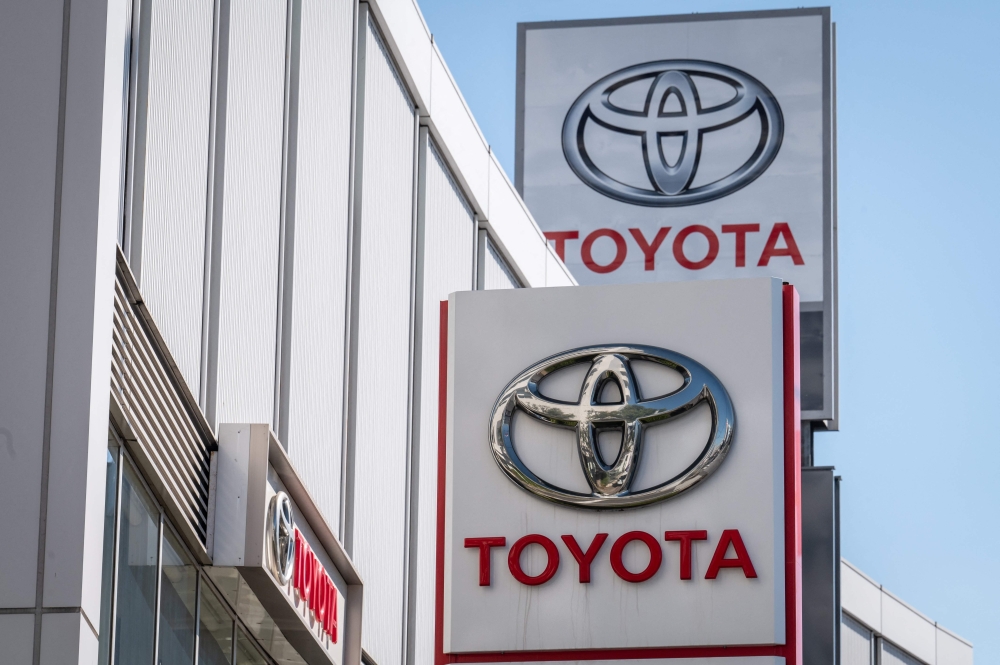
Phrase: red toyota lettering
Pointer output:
(719, 560)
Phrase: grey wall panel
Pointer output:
(820, 565)
(30, 38)
(856, 643)
(448, 230)
(248, 286)
(315, 400)
(383, 251)
(493, 270)
(176, 175)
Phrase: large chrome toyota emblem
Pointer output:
(280, 535)
(610, 483)
(672, 184)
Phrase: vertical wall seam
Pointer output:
(416, 364)
(135, 166)
(412, 479)
(286, 239)
(43, 500)
(353, 281)
(215, 208)
(349, 251)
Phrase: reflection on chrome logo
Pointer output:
(671, 184)
(610, 483)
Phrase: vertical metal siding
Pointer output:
(176, 175)
(448, 243)
(893, 655)
(855, 643)
(248, 288)
(496, 274)
(315, 397)
(383, 339)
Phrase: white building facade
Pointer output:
(877, 628)
(220, 212)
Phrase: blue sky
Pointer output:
(919, 175)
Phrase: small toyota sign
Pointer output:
(689, 147)
(619, 474)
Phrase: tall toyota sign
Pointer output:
(619, 474)
(676, 148)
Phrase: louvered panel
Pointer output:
(168, 436)
(159, 422)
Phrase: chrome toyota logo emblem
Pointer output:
(281, 537)
(671, 184)
(610, 483)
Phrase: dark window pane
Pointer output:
(246, 653)
(137, 550)
(215, 643)
(178, 594)
(110, 500)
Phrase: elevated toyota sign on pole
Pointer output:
(676, 148)
(619, 474)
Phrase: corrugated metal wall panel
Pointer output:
(315, 401)
(855, 643)
(248, 288)
(495, 272)
(893, 655)
(176, 175)
(448, 229)
(384, 250)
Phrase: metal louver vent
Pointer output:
(168, 436)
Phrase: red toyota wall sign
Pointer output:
(619, 474)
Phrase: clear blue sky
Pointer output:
(919, 151)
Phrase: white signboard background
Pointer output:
(784, 53)
(734, 329)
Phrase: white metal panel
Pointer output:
(407, 35)
(514, 228)
(496, 274)
(315, 398)
(893, 655)
(448, 242)
(556, 273)
(248, 290)
(460, 136)
(176, 176)
(860, 596)
(855, 643)
(494, 336)
(952, 650)
(384, 251)
(908, 628)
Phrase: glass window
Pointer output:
(178, 594)
(246, 652)
(137, 552)
(215, 642)
(110, 503)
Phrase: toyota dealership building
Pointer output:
(242, 422)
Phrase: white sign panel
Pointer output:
(615, 472)
(678, 148)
